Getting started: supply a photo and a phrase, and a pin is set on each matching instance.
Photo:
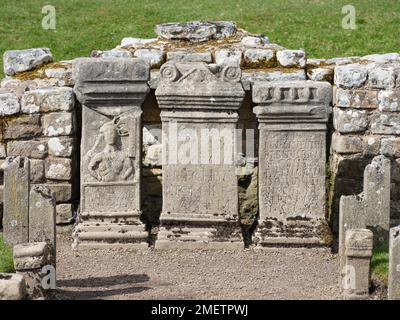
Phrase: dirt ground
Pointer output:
(125, 274)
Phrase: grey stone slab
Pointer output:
(12, 286)
(292, 120)
(16, 200)
(394, 264)
(16, 61)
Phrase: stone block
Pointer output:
(228, 57)
(345, 144)
(389, 100)
(115, 53)
(42, 216)
(9, 104)
(291, 58)
(390, 147)
(350, 76)
(385, 123)
(23, 127)
(58, 169)
(48, 100)
(3, 152)
(136, 42)
(321, 74)
(383, 76)
(259, 58)
(346, 121)
(372, 145)
(36, 149)
(16, 61)
(155, 57)
(360, 99)
(58, 124)
(64, 213)
(394, 264)
(37, 170)
(187, 56)
(62, 75)
(255, 41)
(62, 191)
(12, 286)
(356, 271)
(16, 200)
(61, 146)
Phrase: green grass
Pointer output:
(6, 257)
(314, 25)
(380, 263)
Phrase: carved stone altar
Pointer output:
(292, 121)
(111, 92)
(199, 111)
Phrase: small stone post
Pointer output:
(356, 271)
(394, 264)
(29, 260)
(16, 200)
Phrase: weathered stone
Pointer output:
(3, 152)
(255, 42)
(372, 145)
(58, 124)
(62, 75)
(153, 56)
(292, 165)
(58, 168)
(9, 104)
(371, 208)
(16, 200)
(350, 76)
(111, 149)
(346, 121)
(16, 61)
(385, 123)
(321, 74)
(187, 56)
(381, 57)
(61, 146)
(394, 264)
(196, 31)
(115, 53)
(259, 58)
(136, 42)
(364, 99)
(153, 155)
(251, 76)
(345, 144)
(21, 127)
(356, 270)
(64, 213)
(389, 100)
(383, 76)
(390, 147)
(15, 86)
(29, 259)
(37, 170)
(228, 56)
(42, 216)
(36, 149)
(200, 193)
(62, 191)
(48, 100)
(291, 58)
(12, 286)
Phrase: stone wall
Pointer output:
(40, 117)
(39, 120)
(366, 123)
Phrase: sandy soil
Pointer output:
(126, 274)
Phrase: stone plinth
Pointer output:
(371, 208)
(292, 122)
(356, 271)
(12, 286)
(394, 264)
(199, 112)
(111, 92)
(16, 200)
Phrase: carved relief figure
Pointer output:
(110, 164)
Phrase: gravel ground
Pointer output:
(125, 274)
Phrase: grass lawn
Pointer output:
(314, 25)
(6, 257)
(380, 263)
